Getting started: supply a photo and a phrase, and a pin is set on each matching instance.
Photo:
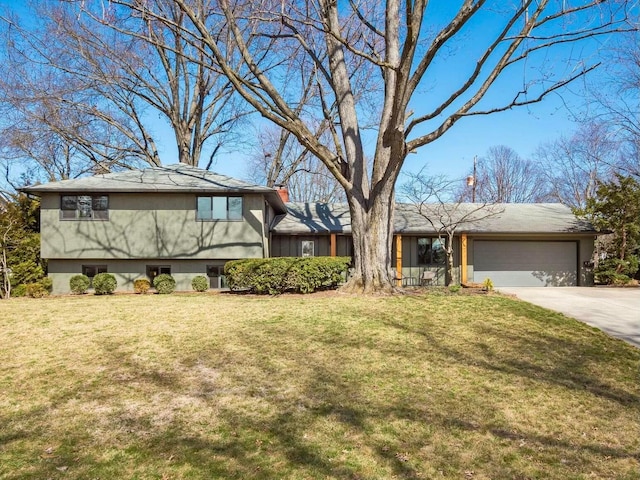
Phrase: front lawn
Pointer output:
(311, 387)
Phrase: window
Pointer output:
(307, 248)
(217, 278)
(219, 208)
(430, 251)
(92, 270)
(84, 207)
(154, 270)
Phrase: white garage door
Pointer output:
(525, 264)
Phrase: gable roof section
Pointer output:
(310, 218)
(178, 178)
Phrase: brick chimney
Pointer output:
(283, 191)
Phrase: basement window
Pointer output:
(92, 270)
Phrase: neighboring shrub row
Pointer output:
(103, 284)
(286, 274)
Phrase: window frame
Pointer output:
(87, 268)
(307, 243)
(431, 251)
(162, 268)
(211, 211)
(84, 207)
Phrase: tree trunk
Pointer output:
(449, 274)
(372, 230)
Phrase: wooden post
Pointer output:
(463, 258)
(333, 248)
(399, 260)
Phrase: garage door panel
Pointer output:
(510, 263)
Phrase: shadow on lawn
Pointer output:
(374, 436)
(536, 355)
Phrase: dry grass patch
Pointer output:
(329, 386)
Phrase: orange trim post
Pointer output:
(332, 247)
(399, 260)
(463, 258)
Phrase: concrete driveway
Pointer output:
(615, 311)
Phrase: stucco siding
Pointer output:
(161, 226)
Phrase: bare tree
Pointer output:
(100, 85)
(613, 101)
(437, 200)
(502, 176)
(280, 160)
(574, 166)
(406, 43)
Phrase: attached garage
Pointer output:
(526, 263)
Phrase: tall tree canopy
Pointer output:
(86, 89)
(379, 64)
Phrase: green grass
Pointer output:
(311, 387)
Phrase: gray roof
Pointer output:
(178, 178)
(533, 218)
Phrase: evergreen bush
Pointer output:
(164, 283)
(286, 274)
(104, 284)
(36, 290)
(141, 285)
(47, 283)
(200, 283)
(79, 284)
(19, 290)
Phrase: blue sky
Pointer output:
(522, 129)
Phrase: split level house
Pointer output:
(186, 222)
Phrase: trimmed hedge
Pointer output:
(200, 283)
(164, 283)
(286, 274)
(79, 284)
(104, 284)
(141, 285)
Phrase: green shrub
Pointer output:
(454, 288)
(286, 274)
(79, 284)
(200, 283)
(104, 284)
(47, 283)
(487, 284)
(19, 290)
(141, 285)
(164, 283)
(613, 271)
(36, 290)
